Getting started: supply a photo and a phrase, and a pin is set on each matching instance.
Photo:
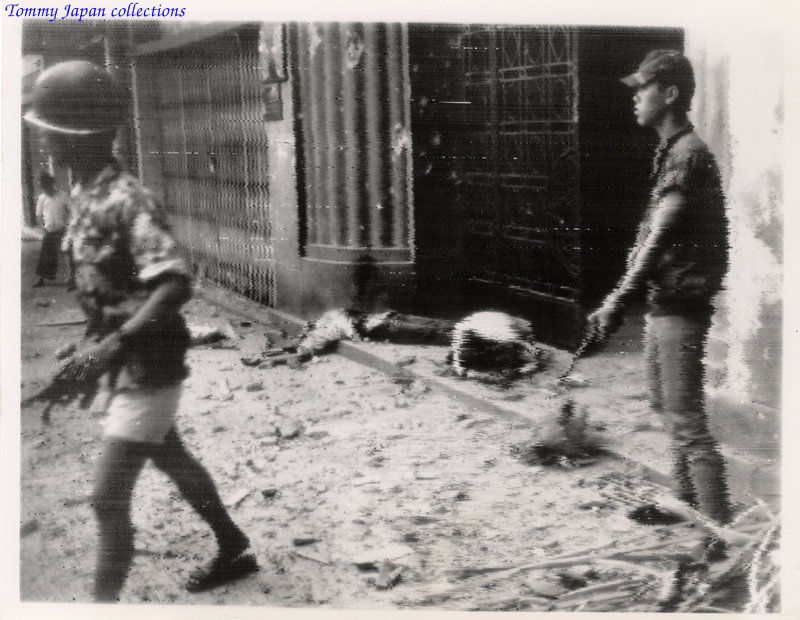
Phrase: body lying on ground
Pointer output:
(485, 345)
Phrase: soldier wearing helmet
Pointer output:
(132, 282)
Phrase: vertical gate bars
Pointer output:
(213, 156)
(523, 85)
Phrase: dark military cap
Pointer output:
(669, 66)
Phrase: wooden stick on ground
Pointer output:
(584, 556)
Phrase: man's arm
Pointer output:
(166, 299)
(80, 373)
(608, 317)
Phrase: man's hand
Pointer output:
(80, 374)
(604, 321)
(91, 362)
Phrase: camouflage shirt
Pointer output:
(122, 246)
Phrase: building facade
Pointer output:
(446, 168)
(434, 168)
(465, 166)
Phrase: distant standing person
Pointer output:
(53, 213)
(680, 257)
(130, 275)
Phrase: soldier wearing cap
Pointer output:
(679, 259)
(131, 282)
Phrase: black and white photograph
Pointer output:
(410, 313)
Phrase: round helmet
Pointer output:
(77, 97)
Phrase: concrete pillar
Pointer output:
(353, 86)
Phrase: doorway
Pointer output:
(530, 173)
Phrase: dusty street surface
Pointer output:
(357, 488)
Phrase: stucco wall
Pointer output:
(738, 109)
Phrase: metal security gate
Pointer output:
(206, 115)
(521, 168)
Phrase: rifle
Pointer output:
(593, 338)
(590, 343)
(78, 376)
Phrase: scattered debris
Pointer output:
(594, 506)
(230, 331)
(403, 378)
(482, 542)
(389, 575)
(224, 391)
(64, 323)
(269, 493)
(418, 388)
(289, 429)
(546, 588)
(572, 581)
(255, 386)
(28, 528)
(205, 334)
(314, 557)
(277, 352)
(251, 361)
(746, 579)
(376, 461)
(620, 592)
(236, 499)
(382, 554)
(367, 567)
(652, 514)
(423, 519)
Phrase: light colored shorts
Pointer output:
(144, 415)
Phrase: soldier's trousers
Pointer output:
(674, 350)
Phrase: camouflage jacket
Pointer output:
(122, 246)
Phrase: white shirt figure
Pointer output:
(53, 211)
